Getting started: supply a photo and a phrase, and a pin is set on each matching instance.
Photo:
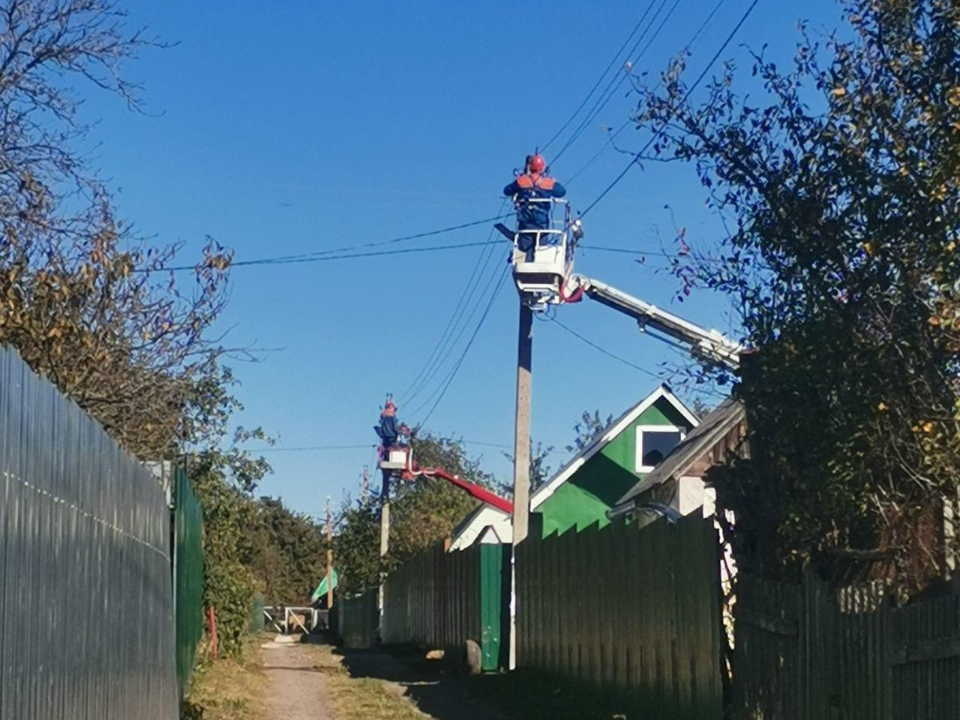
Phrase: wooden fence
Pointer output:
(441, 599)
(631, 611)
(808, 652)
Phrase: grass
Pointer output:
(364, 698)
(227, 690)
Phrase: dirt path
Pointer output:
(298, 688)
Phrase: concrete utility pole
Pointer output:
(384, 517)
(365, 485)
(521, 440)
(329, 557)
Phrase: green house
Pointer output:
(591, 483)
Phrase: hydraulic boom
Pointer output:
(710, 345)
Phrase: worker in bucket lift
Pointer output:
(533, 185)
(388, 430)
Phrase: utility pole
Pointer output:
(329, 557)
(521, 440)
(365, 485)
(384, 517)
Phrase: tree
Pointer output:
(540, 471)
(287, 552)
(840, 195)
(587, 429)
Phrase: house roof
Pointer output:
(713, 428)
(607, 435)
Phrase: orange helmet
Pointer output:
(537, 163)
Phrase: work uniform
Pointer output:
(533, 215)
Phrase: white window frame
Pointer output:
(638, 459)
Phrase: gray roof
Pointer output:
(714, 427)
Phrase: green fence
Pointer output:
(357, 620)
(441, 599)
(188, 576)
(628, 611)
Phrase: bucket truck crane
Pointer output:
(545, 277)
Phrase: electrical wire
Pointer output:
(658, 133)
(469, 289)
(613, 136)
(617, 81)
(325, 254)
(604, 350)
(599, 79)
(359, 446)
(329, 258)
(466, 350)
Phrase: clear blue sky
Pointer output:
(299, 126)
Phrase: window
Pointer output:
(654, 443)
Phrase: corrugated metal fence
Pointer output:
(441, 599)
(85, 598)
(631, 611)
(806, 652)
(188, 575)
(433, 600)
(357, 619)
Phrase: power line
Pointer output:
(617, 81)
(324, 254)
(600, 79)
(604, 350)
(658, 133)
(427, 371)
(263, 262)
(613, 136)
(466, 349)
(360, 446)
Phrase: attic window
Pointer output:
(654, 443)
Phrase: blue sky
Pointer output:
(300, 126)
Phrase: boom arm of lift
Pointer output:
(710, 345)
(481, 494)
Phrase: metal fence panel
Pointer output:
(635, 612)
(86, 598)
(188, 576)
(357, 620)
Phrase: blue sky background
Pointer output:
(300, 126)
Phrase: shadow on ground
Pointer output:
(438, 689)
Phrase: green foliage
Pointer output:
(841, 194)
(287, 552)
(540, 471)
(587, 429)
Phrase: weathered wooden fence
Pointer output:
(441, 599)
(631, 611)
(807, 652)
(357, 619)
(86, 600)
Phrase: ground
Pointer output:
(283, 680)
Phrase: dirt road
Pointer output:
(298, 688)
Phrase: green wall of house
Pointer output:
(603, 479)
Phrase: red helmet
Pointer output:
(537, 163)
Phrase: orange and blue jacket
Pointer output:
(534, 215)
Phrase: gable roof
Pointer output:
(714, 427)
(606, 436)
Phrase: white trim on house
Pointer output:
(612, 431)
(638, 461)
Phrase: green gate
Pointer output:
(494, 605)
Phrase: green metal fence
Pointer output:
(187, 575)
(441, 599)
(628, 611)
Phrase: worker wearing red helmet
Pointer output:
(533, 185)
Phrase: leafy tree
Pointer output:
(587, 429)
(287, 552)
(540, 471)
(840, 196)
